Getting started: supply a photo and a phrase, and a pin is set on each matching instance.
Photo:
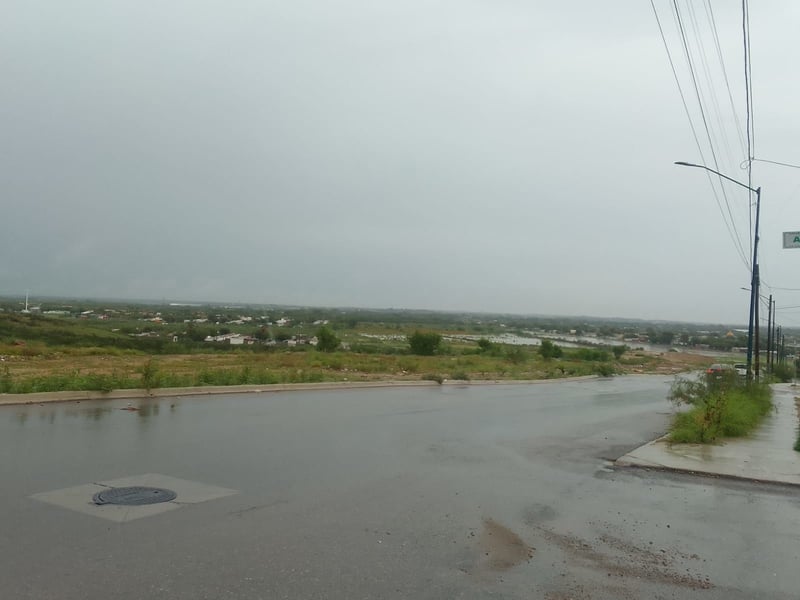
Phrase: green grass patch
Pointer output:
(719, 409)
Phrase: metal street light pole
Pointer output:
(754, 278)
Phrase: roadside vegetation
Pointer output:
(797, 405)
(719, 406)
(107, 347)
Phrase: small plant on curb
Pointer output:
(797, 443)
(433, 377)
(460, 375)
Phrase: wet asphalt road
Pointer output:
(442, 492)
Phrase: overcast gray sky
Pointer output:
(487, 155)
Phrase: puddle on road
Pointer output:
(501, 548)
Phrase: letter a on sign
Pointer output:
(791, 239)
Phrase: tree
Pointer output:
(327, 340)
(550, 350)
(619, 351)
(263, 333)
(485, 345)
(424, 343)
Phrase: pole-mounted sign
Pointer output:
(791, 239)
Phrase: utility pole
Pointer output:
(776, 337)
(754, 294)
(755, 310)
(754, 281)
(769, 335)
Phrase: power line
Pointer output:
(715, 105)
(710, 86)
(713, 21)
(775, 162)
(748, 85)
(690, 63)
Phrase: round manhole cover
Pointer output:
(134, 496)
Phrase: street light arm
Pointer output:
(752, 325)
(747, 187)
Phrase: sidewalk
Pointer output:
(767, 455)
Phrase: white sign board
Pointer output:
(791, 239)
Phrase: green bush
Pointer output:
(485, 345)
(460, 375)
(424, 343)
(516, 354)
(721, 407)
(605, 369)
(619, 351)
(6, 383)
(783, 371)
(591, 354)
(433, 377)
(550, 350)
(150, 374)
(327, 341)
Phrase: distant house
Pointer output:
(234, 339)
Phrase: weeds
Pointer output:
(605, 369)
(723, 407)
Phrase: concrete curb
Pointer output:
(766, 456)
(71, 396)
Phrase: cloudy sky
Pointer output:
(487, 155)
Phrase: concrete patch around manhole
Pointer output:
(79, 498)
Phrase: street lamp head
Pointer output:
(686, 164)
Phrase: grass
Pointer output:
(125, 370)
(719, 409)
(41, 354)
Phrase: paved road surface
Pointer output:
(447, 492)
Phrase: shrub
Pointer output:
(517, 355)
(327, 341)
(150, 374)
(485, 345)
(721, 407)
(424, 343)
(550, 350)
(460, 375)
(591, 354)
(6, 383)
(433, 377)
(619, 351)
(605, 370)
(783, 371)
